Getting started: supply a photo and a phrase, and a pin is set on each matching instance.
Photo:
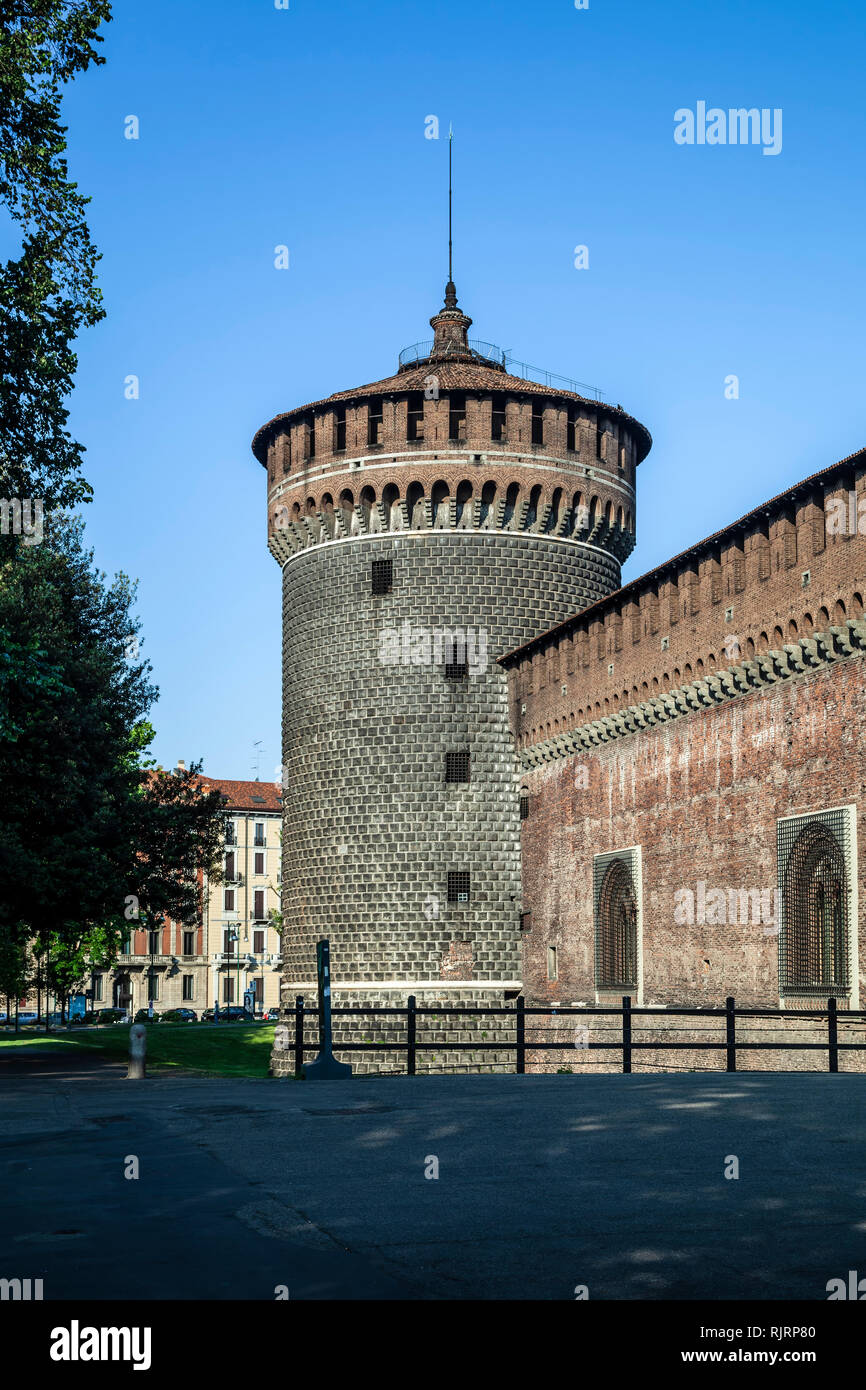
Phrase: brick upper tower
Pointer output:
(450, 497)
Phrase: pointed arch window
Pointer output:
(815, 878)
(616, 920)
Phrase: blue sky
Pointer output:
(305, 127)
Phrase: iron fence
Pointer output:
(626, 1044)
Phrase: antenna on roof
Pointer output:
(257, 744)
(450, 141)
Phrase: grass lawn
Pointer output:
(228, 1049)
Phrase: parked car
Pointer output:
(144, 1017)
(179, 1016)
(27, 1016)
(110, 1016)
(231, 1013)
(272, 1016)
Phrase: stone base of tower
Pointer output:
(386, 1034)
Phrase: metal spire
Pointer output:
(450, 139)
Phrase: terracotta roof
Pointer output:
(247, 796)
(601, 606)
(453, 376)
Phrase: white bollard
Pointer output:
(137, 1053)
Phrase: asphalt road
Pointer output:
(545, 1183)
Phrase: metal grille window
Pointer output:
(457, 765)
(382, 576)
(615, 896)
(815, 880)
(458, 886)
(456, 662)
(524, 805)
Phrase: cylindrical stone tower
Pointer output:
(425, 524)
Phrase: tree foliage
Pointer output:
(48, 293)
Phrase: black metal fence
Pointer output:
(823, 1019)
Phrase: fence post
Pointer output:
(410, 1036)
(626, 1033)
(730, 1033)
(299, 1034)
(521, 1035)
(832, 1035)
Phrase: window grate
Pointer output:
(458, 886)
(815, 882)
(615, 899)
(382, 576)
(524, 805)
(457, 765)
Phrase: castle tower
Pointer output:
(453, 497)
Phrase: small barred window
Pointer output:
(382, 576)
(457, 765)
(458, 886)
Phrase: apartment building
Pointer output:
(236, 948)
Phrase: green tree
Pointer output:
(48, 293)
(88, 827)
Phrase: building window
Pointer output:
(259, 838)
(457, 765)
(526, 921)
(153, 943)
(231, 834)
(97, 988)
(310, 432)
(497, 422)
(457, 415)
(340, 429)
(571, 432)
(552, 965)
(374, 420)
(456, 663)
(382, 576)
(524, 804)
(188, 987)
(815, 879)
(152, 986)
(259, 862)
(228, 989)
(258, 942)
(229, 900)
(458, 886)
(537, 422)
(229, 939)
(415, 416)
(599, 437)
(230, 867)
(189, 943)
(259, 905)
(615, 878)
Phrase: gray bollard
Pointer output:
(137, 1053)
